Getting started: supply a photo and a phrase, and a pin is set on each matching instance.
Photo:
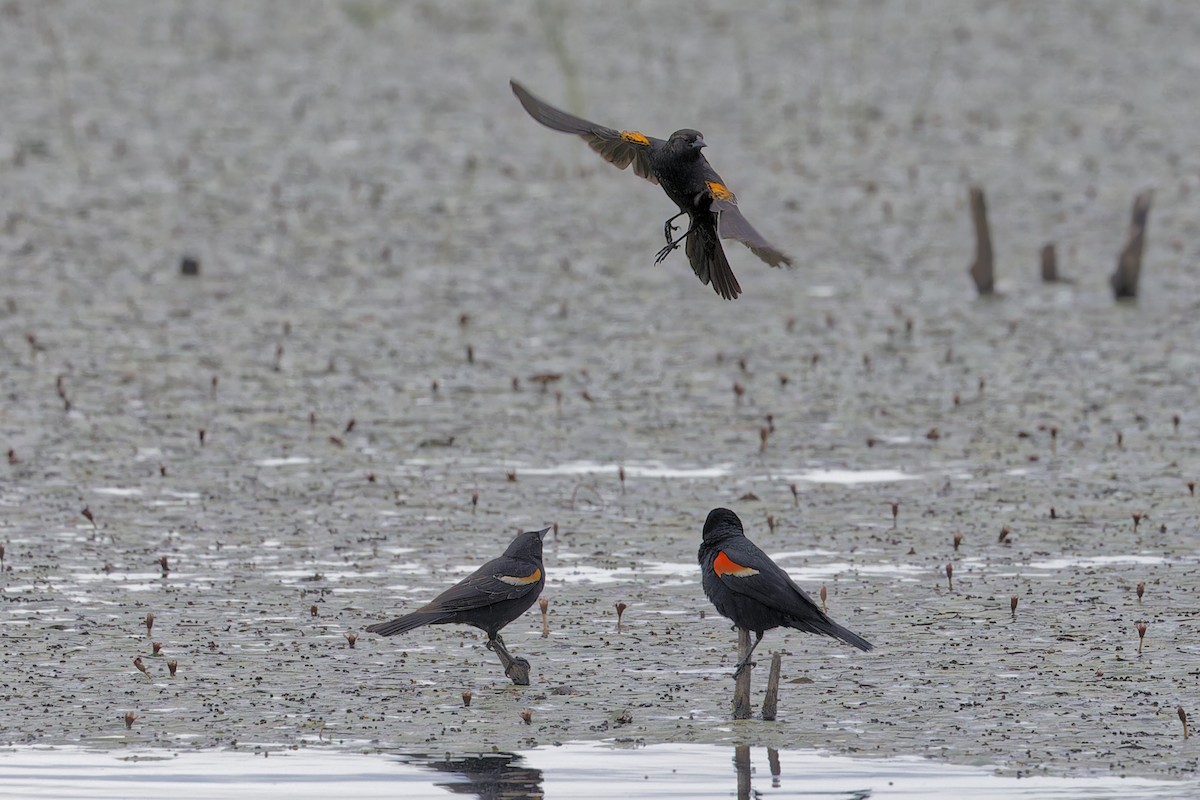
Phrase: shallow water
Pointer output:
(574, 770)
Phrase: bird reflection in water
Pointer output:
(490, 776)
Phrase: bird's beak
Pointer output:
(699, 143)
(542, 533)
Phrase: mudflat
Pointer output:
(391, 254)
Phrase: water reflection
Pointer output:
(744, 769)
(491, 776)
(505, 776)
(575, 770)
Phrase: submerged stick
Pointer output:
(771, 701)
(1129, 264)
(1050, 265)
(741, 687)
(981, 271)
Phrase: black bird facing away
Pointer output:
(678, 165)
(489, 598)
(753, 591)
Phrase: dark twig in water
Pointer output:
(1050, 265)
(771, 701)
(982, 269)
(1129, 264)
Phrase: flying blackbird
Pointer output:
(684, 173)
(749, 588)
(489, 598)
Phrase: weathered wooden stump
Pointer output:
(1129, 265)
(771, 701)
(1049, 264)
(982, 270)
(741, 687)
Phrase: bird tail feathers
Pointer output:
(406, 623)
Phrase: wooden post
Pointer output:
(981, 270)
(1049, 264)
(1129, 265)
(771, 701)
(741, 688)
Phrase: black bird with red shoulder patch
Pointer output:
(678, 165)
(489, 598)
(753, 591)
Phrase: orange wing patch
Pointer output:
(720, 191)
(724, 565)
(633, 137)
(514, 580)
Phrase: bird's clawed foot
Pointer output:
(516, 669)
(666, 251)
(668, 228)
(742, 667)
(518, 672)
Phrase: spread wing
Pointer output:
(732, 225)
(619, 148)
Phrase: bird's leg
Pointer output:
(515, 667)
(673, 244)
(668, 227)
(745, 662)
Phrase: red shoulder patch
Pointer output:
(724, 565)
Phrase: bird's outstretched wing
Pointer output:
(732, 225)
(619, 148)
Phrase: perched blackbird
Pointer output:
(684, 173)
(749, 588)
(489, 598)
